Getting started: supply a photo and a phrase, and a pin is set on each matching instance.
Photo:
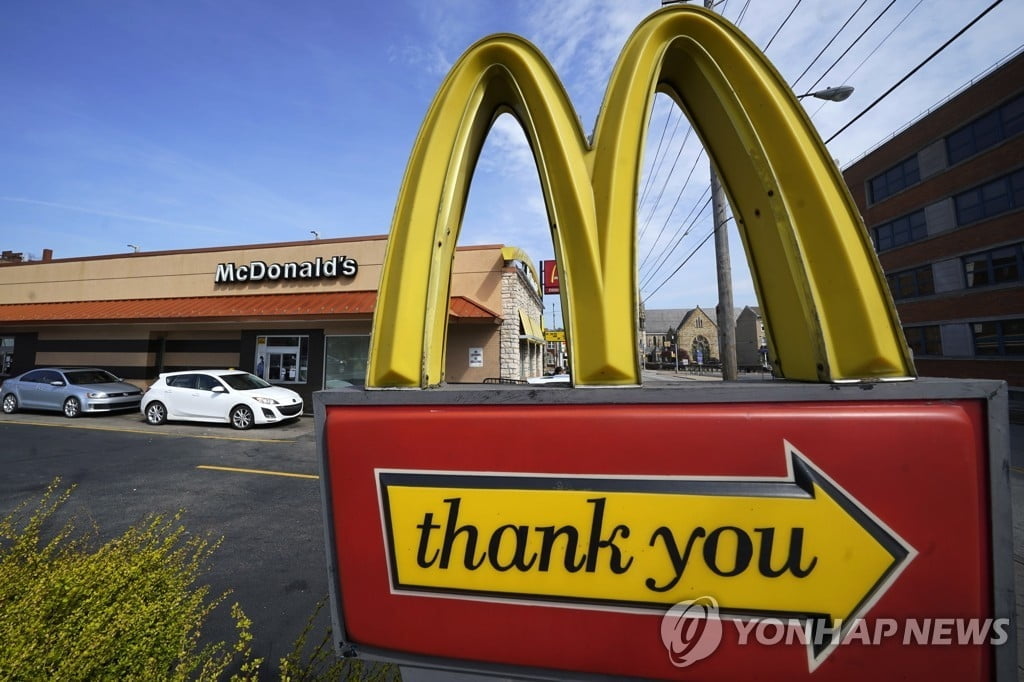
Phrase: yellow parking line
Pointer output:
(257, 471)
(148, 432)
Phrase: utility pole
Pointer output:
(726, 318)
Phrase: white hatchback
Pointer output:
(219, 395)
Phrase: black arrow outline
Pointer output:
(798, 483)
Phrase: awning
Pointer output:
(532, 331)
(221, 308)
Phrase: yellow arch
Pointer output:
(822, 294)
(515, 253)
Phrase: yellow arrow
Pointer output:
(792, 547)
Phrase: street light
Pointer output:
(836, 94)
(134, 248)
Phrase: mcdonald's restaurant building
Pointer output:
(299, 313)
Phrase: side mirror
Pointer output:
(56, 383)
(219, 389)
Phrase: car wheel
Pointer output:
(72, 408)
(10, 404)
(156, 413)
(242, 418)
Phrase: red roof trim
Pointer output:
(344, 303)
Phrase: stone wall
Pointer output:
(520, 358)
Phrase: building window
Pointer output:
(1001, 337)
(701, 350)
(924, 340)
(911, 283)
(699, 323)
(896, 179)
(991, 199)
(996, 266)
(6, 354)
(345, 360)
(282, 359)
(986, 131)
(909, 228)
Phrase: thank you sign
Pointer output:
(635, 528)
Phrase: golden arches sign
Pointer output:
(823, 297)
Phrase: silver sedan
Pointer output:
(71, 390)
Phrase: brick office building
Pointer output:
(943, 200)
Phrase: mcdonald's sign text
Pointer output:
(550, 276)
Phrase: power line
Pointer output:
(679, 240)
(784, 22)
(743, 12)
(829, 43)
(689, 221)
(877, 47)
(664, 185)
(679, 196)
(659, 158)
(702, 243)
(850, 47)
(668, 253)
(914, 70)
(653, 206)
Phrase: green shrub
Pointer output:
(321, 665)
(131, 609)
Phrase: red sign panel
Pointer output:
(550, 276)
(820, 541)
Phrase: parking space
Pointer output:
(257, 489)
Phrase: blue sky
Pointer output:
(214, 123)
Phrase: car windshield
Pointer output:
(90, 376)
(244, 382)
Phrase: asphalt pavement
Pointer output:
(256, 491)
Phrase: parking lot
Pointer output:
(257, 489)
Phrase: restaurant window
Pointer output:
(282, 359)
(6, 354)
(345, 359)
